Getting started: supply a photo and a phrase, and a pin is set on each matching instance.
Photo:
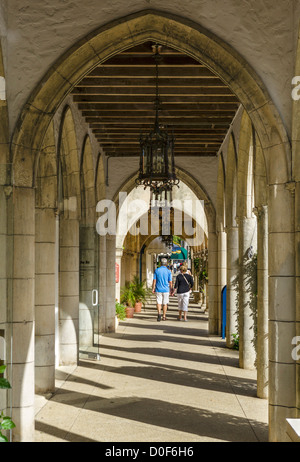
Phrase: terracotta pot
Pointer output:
(129, 311)
(138, 307)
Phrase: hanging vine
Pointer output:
(248, 269)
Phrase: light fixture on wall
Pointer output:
(157, 167)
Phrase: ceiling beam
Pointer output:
(143, 72)
(149, 98)
(140, 82)
(196, 107)
(197, 90)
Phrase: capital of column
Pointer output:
(291, 187)
(119, 252)
(8, 191)
(243, 219)
(229, 228)
(239, 220)
(260, 211)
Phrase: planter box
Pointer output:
(138, 307)
(129, 311)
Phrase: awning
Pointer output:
(179, 253)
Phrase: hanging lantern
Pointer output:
(157, 168)
(167, 240)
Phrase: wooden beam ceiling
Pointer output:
(117, 101)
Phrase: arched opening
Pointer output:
(219, 58)
(69, 241)
(139, 224)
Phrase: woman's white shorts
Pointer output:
(183, 301)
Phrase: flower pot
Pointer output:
(138, 307)
(129, 311)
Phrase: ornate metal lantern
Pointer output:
(167, 240)
(157, 168)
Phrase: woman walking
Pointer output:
(184, 283)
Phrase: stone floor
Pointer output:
(163, 381)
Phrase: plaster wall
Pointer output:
(204, 170)
(34, 34)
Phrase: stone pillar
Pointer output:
(296, 345)
(88, 260)
(45, 237)
(68, 290)
(110, 324)
(282, 367)
(6, 256)
(149, 269)
(232, 284)
(247, 292)
(135, 265)
(212, 296)
(23, 272)
(262, 302)
(123, 272)
(102, 283)
(119, 254)
(221, 271)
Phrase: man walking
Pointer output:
(162, 284)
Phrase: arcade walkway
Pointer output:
(156, 382)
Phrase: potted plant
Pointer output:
(128, 299)
(140, 293)
(120, 312)
(5, 422)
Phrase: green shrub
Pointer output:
(5, 422)
(120, 311)
(236, 341)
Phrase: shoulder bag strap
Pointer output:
(186, 280)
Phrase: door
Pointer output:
(223, 324)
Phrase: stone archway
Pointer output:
(212, 289)
(194, 40)
(183, 35)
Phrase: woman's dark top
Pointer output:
(181, 285)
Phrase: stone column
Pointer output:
(221, 271)
(123, 272)
(282, 330)
(247, 292)
(102, 283)
(149, 269)
(5, 288)
(23, 272)
(87, 312)
(232, 284)
(296, 345)
(110, 325)
(68, 290)
(262, 302)
(212, 296)
(45, 237)
(119, 254)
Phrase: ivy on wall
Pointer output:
(249, 274)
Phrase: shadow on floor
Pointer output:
(177, 375)
(159, 413)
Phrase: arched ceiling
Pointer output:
(117, 101)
